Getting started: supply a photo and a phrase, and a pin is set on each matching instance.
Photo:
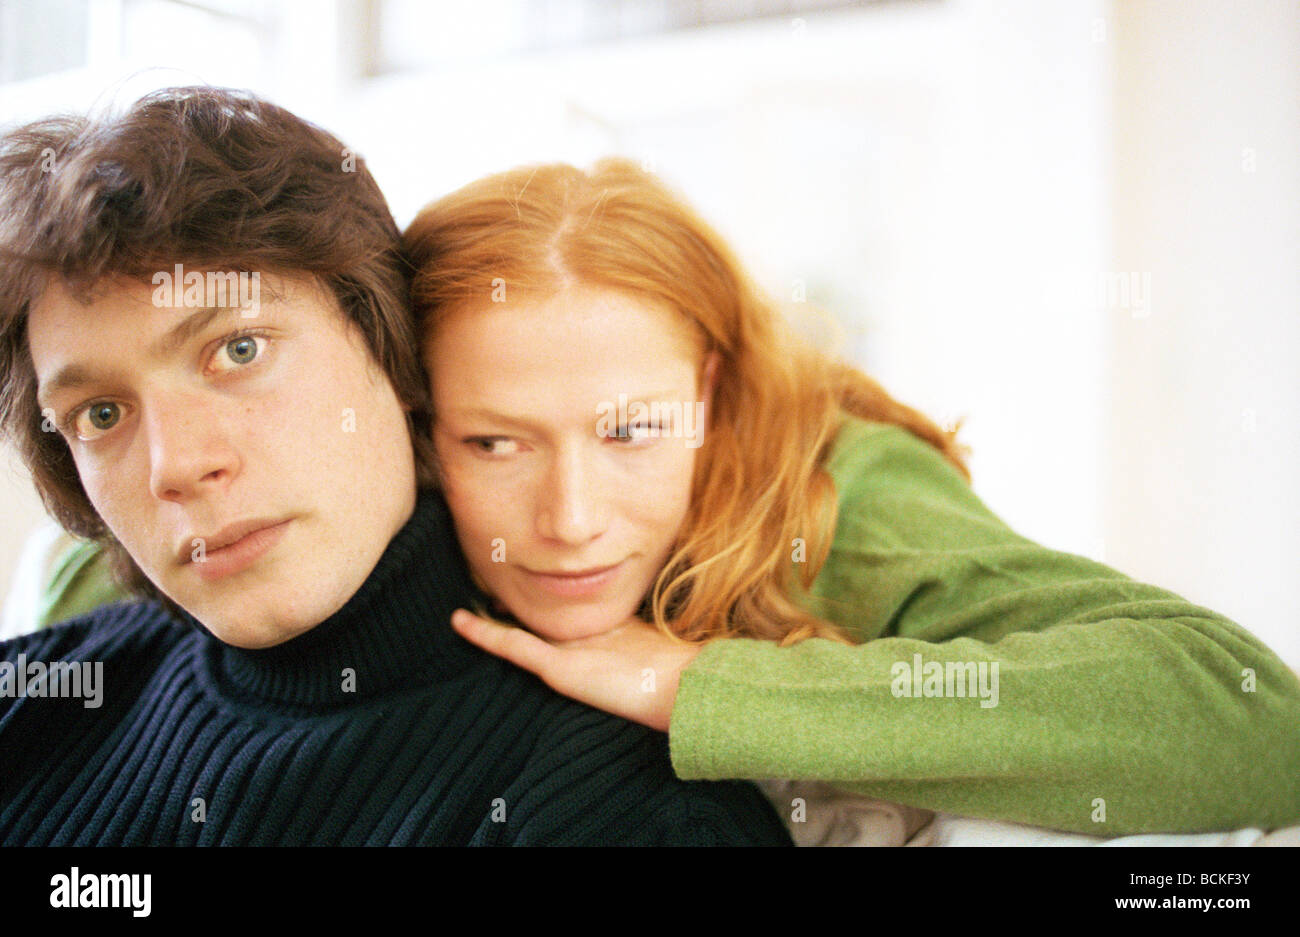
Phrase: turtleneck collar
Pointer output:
(394, 632)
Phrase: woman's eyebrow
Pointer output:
(484, 413)
(667, 396)
(616, 404)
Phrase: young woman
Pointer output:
(670, 494)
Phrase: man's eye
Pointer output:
(237, 352)
(97, 418)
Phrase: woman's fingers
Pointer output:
(632, 671)
(522, 648)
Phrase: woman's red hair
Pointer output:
(760, 484)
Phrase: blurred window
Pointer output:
(216, 40)
(414, 34)
(39, 37)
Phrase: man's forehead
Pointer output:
(76, 336)
(170, 296)
(66, 326)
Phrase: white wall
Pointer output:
(933, 173)
(1204, 413)
(952, 181)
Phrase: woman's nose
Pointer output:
(572, 508)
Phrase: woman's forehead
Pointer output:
(636, 330)
(562, 354)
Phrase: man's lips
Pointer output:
(233, 548)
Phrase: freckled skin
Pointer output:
(202, 441)
(518, 391)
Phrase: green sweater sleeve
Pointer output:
(1119, 707)
(78, 580)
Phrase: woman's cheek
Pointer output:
(666, 512)
(478, 511)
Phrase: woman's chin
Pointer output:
(570, 624)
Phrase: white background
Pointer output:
(953, 181)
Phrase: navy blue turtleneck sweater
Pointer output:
(379, 726)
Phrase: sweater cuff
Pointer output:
(700, 713)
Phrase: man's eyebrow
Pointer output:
(67, 377)
(187, 328)
(76, 375)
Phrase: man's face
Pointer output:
(255, 468)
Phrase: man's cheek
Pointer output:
(111, 500)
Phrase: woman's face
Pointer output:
(567, 429)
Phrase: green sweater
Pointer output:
(1120, 708)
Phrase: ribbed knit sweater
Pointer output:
(378, 726)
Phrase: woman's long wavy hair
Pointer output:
(760, 485)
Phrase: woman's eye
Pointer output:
(494, 445)
(238, 351)
(635, 432)
(97, 418)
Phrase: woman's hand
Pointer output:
(632, 671)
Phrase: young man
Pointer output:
(207, 363)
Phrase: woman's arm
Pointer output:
(65, 577)
(1087, 701)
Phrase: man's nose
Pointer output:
(572, 506)
(189, 454)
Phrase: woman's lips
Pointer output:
(238, 556)
(575, 585)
